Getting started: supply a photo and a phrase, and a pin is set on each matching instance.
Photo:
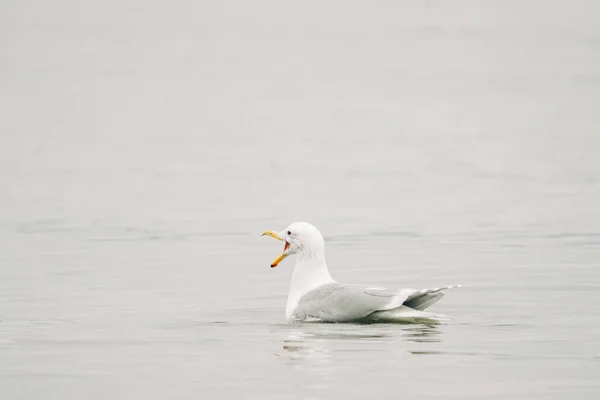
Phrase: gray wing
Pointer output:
(342, 302)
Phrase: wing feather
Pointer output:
(343, 302)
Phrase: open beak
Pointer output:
(283, 255)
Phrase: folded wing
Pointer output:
(343, 302)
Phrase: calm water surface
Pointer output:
(144, 147)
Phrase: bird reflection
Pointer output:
(306, 345)
(423, 334)
(320, 341)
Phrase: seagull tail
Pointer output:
(422, 299)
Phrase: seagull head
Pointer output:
(299, 238)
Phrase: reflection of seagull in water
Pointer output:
(314, 295)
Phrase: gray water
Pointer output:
(145, 146)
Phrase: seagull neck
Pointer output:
(310, 272)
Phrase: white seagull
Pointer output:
(315, 296)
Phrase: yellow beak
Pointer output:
(273, 234)
(283, 255)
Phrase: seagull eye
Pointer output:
(289, 232)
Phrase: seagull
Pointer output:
(315, 296)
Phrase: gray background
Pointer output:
(145, 145)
